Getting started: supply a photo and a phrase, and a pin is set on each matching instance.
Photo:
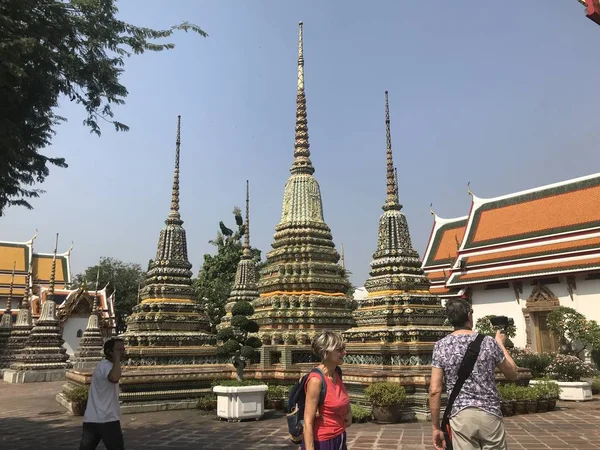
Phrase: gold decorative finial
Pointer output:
(25, 300)
(302, 162)
(247, 251)
(431, 210)
(95, 301)
(50, 295)
(469, 189)
(10, 289)
(174, 213)
(391, 201)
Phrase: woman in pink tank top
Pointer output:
(325, 425)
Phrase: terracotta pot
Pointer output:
(78, 408)
(387, 414)
(551, 404)
(520, 407)
(531, 406)
(542, 405)
(507, 409)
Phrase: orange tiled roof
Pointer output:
(445, 243)
(531, 252)
(541, 268)
(569, 206)
(438, 275)
(439, 290)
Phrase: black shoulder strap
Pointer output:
(323, 384)
(464, 372)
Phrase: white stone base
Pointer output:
(85, 366)
(240, 402)
(579, 391)
(33, 376)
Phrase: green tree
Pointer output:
(235, 337)
(217, 275)
(51, 49)
(125, 278)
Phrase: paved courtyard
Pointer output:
(31, 419)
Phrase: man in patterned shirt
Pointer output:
(476, 418)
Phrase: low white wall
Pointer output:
(72, 325)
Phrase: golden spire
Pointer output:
(391, 201)
(174, 212)
(342, 258)
(50, 295)
(10, 289)
(247, 251)
(95, 301)
(25, 301)
(302, 162)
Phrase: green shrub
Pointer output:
(248, 352)
(529, 394)
(385, 394)
(239, 321)
(251, 326)
(78, 394)
(547, 389)
(568, 368)
(596, 386)
(538, 363)
(224, 334)
(228, 348)
(242, 308)
(507, 392)
(206, 402)
(595, 355)
(254, 342)
(276, 393)
(360, 413)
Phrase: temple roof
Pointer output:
(546, 211)
(445, 238)
(550, 230)
(22, 256)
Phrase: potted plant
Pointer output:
(520, 399)
(386, 398)
(537, 363)
(596, 386)
(542, 396)
(360, 414)
(507, 399)
(240, 400)
(530, 396)
(275, 397)
(78, 397)
(567, 371)
(207, 402)
(549, 390)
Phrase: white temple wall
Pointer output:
(73, 324)
(502, 302)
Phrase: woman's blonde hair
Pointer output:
(326, 342)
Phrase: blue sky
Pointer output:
(500, 94)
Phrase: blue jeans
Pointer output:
(110, 433)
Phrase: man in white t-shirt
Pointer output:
(102, 418)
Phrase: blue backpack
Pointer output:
(297, 400)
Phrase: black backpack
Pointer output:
(297, 400)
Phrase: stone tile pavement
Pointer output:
(31, 419)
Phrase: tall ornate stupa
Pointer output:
(21, 329)
(6, 326)
(168, 326)
(244, 287)
(90, 350)
(302, 288)
(399, 321)
(43, 358)
(399, 310)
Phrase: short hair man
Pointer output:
(102, 418)
(475, 418)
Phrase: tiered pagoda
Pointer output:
(168, 326)
(302, 287)
(399, 321)
(43, 358)
(244, 288)
(90, 350)
(6, 326)
(21, 329)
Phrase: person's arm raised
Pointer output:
(115, 373)
(508, 366)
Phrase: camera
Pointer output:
(502, 322)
